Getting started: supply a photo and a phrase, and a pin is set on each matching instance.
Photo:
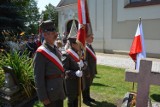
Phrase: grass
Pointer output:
(109, 88)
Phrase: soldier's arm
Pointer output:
(39, 76)
(86, 71)
(66, 64)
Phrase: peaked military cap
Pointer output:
(72, 39)
(47, 26)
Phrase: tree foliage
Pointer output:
(17, 16)
(11, 21)
(50, 13)
(32, 17)
(23, 15)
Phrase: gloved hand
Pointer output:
(80, 63)
(79, 73)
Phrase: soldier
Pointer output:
(48, 69)
(90, 71)
(72, 63)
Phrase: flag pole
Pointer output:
(135, 61)
(79, 97)
(133, 82)
(81, 35)
(140, 19)
(81, 55)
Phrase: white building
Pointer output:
(114, 23)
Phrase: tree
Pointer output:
(11, 22)
(51, 13)
(32, 16)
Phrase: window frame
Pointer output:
(141, 3)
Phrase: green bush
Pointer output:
(22, 65)
(2, 78)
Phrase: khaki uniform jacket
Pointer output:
(52, 89)
(91, 70)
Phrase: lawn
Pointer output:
(109, 88)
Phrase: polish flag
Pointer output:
(81, 35)
(84, 22)
(137, 50)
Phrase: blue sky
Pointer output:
(42, 3)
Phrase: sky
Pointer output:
(42, 3)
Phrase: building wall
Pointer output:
(65, 14)
(115, 26)
(125, 22)
(101, 19)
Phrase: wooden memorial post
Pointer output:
(144, 78)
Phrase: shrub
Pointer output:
(22, 65)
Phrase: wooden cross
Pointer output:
(144, 78)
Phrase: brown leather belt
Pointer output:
(48, 77)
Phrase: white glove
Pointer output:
(80, 63)
(79, 73)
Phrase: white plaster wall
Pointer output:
(145, 12)
(105, 22)
(101, 20)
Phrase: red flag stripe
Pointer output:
(79, 12)
(136, 47)
(81, 35)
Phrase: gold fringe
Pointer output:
(82, 53)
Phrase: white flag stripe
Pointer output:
(83, 11)
(138, 31)
(143, 53)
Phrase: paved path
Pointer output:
(121, 61)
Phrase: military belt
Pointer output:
(48, 77)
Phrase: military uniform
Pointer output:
(71, 66)
(49, 78)
(89, 73)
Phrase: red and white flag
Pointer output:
(84, 22)
(137, 50)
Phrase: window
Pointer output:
(134, 1)
(138, 3)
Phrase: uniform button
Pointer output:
(51, 88)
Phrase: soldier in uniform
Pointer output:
(90, 71)
(72, 63)
(48, 69)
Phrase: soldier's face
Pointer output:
(89, 39)
(50, 36)
(76, 46)
(54, 35)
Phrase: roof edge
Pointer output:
(59, 4)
